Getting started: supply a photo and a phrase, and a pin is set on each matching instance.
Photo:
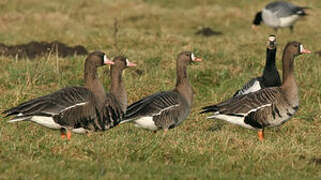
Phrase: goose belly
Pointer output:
(146, 123)
(288, 21)
(80, 130)
(46, 121)
(234, 120)
(281, 120)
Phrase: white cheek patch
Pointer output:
(127, 61)
(193, 56)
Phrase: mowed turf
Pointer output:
(151, 33)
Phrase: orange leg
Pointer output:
(260, 133)
(68, 135)
(63, 133)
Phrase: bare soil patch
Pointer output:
(34, 49)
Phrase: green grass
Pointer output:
(152, 33)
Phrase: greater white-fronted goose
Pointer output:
(279, 14)
(75, 109)
(165, 110)
(270, 77)
(267, 107)
(117, 88)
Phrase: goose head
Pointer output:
(98, 59)
(187, 57)
(122, 63)
(296, 48)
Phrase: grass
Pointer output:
(151, 34)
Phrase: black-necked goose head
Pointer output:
(257, 19)
(271, 42)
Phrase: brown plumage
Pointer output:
(165, 110)
(267, 107)
(76, 109)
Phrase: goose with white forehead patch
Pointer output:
(74, 109)
(279, 14)
(267, 107)
(270, 77)
(168, 109)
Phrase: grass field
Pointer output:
(152, 33)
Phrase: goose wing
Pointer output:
(53, 103)
(242, 105)
(284, 9)
(153, 105)
(251, 86)
(112, 113)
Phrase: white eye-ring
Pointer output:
(193, 56)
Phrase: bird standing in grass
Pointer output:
(167, 109)
(279, 14)
(267, 107)
(77, 109)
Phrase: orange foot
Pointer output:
(260, 133)
(63, 135)
(68, 135)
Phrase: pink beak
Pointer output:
(108, 61)
(305, 51)
(197, 60)
(130, 64)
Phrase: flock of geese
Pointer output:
(263, 102)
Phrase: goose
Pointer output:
(166, 109)
(75, 109)
(268, 107)
(270, 77)
(279, 14)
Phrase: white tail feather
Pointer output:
(19, 119)
(125, 121)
